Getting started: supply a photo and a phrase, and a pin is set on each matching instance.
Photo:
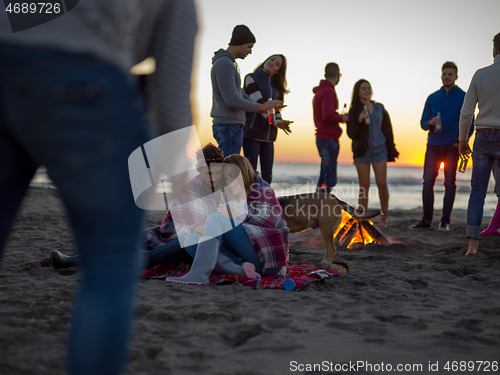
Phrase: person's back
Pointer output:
(483, 91)
(69, 103)
(122, 34)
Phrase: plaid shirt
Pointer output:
(186, 212)
(265, 226)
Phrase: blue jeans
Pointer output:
(82, 119)
(229, 137)
(433, 158)
(252, 149)
(234, 241)
(486, 149)
(170, 252)
(328, 150)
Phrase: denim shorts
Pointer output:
(370, 157)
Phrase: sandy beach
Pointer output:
(417, 304)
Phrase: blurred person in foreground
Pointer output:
(483, 91)
(68, 101)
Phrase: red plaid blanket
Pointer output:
(302, 274)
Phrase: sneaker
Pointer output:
(443, 227)
(422, 224)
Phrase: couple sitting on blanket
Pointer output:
(236, 227)
(229, 220)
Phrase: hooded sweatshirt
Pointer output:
(325, 105)
(229, 101)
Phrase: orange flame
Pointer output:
(361, 236)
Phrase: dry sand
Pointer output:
(417, 302)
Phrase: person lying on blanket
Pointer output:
(248, 235)
(186, 215)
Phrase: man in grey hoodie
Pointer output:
(229, 101)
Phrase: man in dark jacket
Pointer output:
(328, 131)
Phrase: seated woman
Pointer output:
(249, 243)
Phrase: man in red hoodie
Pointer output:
(328, 131)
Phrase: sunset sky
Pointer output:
(397, 45)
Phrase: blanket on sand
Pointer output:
(301, 274)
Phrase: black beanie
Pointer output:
(241, 35)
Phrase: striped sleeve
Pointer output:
(254, 93)
(253, 90)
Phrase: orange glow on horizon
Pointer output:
(300, 145)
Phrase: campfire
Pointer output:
(355, 234)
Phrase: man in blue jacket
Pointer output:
(440, 118)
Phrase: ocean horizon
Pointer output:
(405, 185)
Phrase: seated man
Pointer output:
(186, 215)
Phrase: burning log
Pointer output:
(374, 232)
(355, 234)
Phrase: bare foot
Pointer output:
(249, 270)
(473, 246)
(382, 224)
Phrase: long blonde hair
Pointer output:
(247, 173)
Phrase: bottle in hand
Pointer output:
(367, 120)
(463, 163)
(271, 116)
(344, 110)
(438, 125)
